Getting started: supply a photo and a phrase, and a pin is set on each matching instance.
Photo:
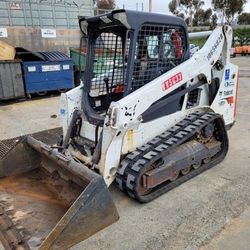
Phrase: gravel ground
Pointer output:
(198, 214)
(25, 117)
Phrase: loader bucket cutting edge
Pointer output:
(82, 205)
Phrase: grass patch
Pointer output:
(198, 41)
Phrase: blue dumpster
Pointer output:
(47, 71)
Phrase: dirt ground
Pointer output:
(211, 211)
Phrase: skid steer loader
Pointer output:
(147, 116)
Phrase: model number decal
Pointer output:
(228, 92)
(216, 44)
(172, 81)
(229, 84)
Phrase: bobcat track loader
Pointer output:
(147, 117)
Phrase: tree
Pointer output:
(187, 7)
(173, 7)
(214, 20)
(244, 18)
(207, 16)
(198, 17)
(106, 4)
(202, 17)
(181, 15)
(229, 8)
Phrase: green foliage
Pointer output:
(244, 18)
(214, 20)
(229, 8)
(186, 8)
(173, 6)
(106, 4)
(202, 17)
(241, 36)
(193, 13)
(198, 41)
(192, 3)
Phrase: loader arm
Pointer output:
(127, 112)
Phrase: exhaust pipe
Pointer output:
(39, 170)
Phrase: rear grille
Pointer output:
(193, 98)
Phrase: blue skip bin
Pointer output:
(49, 71)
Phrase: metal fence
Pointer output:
(44, 13)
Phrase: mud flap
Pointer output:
(90, 212)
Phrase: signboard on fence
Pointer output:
(15, 6)
(3, 32)
(48, 33)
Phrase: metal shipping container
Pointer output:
(11, 81)
(53, 71)
(78, 58)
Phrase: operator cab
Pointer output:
(135, 48)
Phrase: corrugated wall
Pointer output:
(31, 39)
(44, 13)
(24, 19)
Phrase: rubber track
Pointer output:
(134, 163)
